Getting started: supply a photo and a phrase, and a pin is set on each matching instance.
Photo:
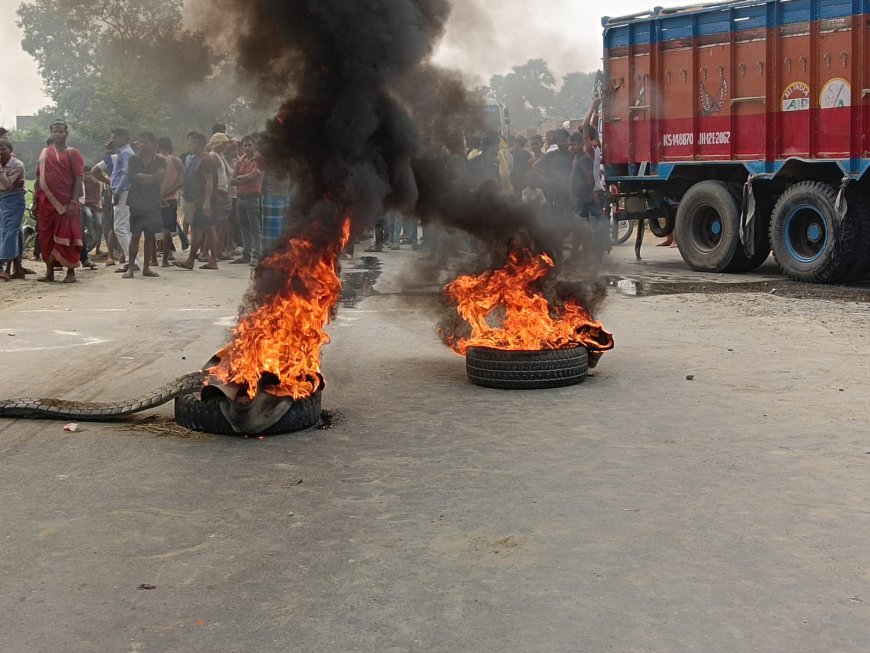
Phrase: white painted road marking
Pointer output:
(121, 310)
(87, 342)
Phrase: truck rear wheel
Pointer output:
(761, 236)
(708, 226)
(858, 218)
(808, 240)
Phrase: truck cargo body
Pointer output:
(755, 96)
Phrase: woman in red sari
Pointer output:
(59, 198)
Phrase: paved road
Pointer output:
(636, 512)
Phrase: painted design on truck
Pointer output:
(836, 92)
(796, 97)
(710, 104)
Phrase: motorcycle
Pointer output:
(28, 223)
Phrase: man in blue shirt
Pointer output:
(120, 188)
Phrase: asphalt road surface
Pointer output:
(639, 511)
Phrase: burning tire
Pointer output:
(526, 370)
(205, 415)
(808, 239)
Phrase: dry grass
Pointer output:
(162, 427)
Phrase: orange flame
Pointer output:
(284, 336)
(506, 313)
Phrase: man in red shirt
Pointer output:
(248, 180)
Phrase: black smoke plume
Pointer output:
(368, 124)
(345, 134)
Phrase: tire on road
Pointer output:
(526, 370)
(809, 242)
(193, 413)
(663, 226)
(708, 226)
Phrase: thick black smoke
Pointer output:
(345, 134)
(368, 122)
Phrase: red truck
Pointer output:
(741, 126)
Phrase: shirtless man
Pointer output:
(172, 183)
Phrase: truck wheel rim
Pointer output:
(806, 235)
(707, 229)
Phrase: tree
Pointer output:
(117, 62)
(528, 91)
(116, 100)
(575, 95)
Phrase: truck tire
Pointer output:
(807, 241)
(858, 217)
(526, 370)
(664, 226)
(763, 208)
(708, 226)
(620, 230)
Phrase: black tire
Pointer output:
(763, 209)
(617, 237)
(858, 217)
(28, 235)
(708, 226)
(526, 370)
(193, 413)
(88, 229)
(663, 226)
(808, 241)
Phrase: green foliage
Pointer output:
(136, 39)
(116, 101)
(575, 95)
(529, 91)
(129, 63)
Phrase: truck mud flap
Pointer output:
(747, 220)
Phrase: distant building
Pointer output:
(23, 123)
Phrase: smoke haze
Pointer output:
(367, 122)
(346, 135)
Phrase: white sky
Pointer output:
(485, 37)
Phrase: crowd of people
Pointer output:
(217, 198)
(558, 176)
(561, 175)
(223, 205)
